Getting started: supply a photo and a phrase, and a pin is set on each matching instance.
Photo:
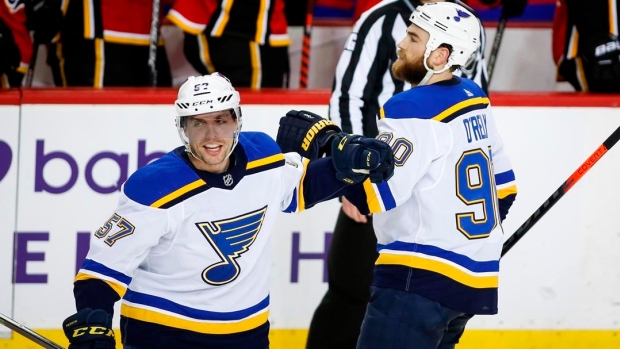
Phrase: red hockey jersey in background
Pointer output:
(13, 14)
(257, 20)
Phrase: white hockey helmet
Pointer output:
(206, 94)
(452, 24)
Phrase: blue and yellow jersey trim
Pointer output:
(460, 268)
(153, 309)
(505, 184)
(93, 270)
(411, 104)
(262, 151)
(164, 183)
(379, 197)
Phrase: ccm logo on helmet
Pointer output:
(313, 131)
(203, 102)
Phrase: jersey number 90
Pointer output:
(475, 186)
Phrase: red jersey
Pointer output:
(13, 14)
(257, 20)
(123, 22)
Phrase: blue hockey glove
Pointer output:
(356, 157)
(89, 329)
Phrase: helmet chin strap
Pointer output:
(430, 72)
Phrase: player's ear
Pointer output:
(440, 56)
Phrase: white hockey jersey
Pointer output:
(190, 251)
(439, 217)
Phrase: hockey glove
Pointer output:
(89, 329)
(306, 133)
(601, 63)
(355, 157)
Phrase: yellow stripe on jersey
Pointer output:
(573, 43)
(439, 267)
(215, 327)
(277, 41)
(265, 161)
(301, 202)
(88, 18)
(126, 40)
(613, 19)
(223, 20)
(261, 22)
(381, 113)
(118, 288)
(177, 193)
(372, 199)
(205, 56)
(502, 193)
(462, 105)
(180, 21)
(581, 75)
(256, 65)
(99, 63)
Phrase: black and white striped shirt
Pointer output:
(363, 80)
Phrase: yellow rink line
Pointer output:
(473, 339)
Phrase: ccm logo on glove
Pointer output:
(77, 332)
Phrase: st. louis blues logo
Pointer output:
(230, 238)
(461, 14)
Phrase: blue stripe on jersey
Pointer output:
(165, 304)
(437, 287)
(99, 268)
(386, 195)
(464, 261)
(504, 177)
(293, 206)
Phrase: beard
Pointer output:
(409, 71)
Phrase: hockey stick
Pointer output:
(563, 189)
(33, 61)
(497, 40)
(28, 333)
(305, 46)
(154, 39)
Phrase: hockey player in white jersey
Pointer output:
(438, 219)
(187, 249)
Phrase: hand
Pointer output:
(352, 212)
(89, 329)
(355, 157)
(306, 133)
(601, 63)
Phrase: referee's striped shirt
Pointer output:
(363, 80)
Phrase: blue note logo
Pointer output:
(230, 238)
(6, 155)
(461, 14)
